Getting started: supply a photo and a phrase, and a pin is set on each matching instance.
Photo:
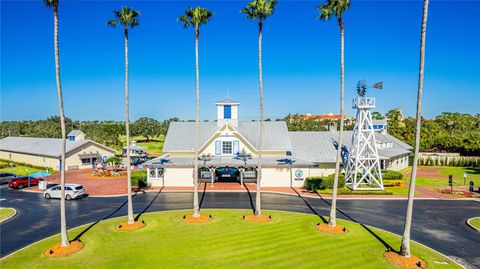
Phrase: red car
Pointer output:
(22, 182)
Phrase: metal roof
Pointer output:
(227, 101)
(74, 133)
(41, 146)
(245, 161)
(379, 122)
(180, 135)
(320, 147)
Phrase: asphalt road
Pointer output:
(437, 224)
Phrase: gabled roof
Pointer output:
(321, 146)
(50, 147)
(227, 102)
(180, 135)
(379, 122)
(74, 133)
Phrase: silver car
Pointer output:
(6, 177)
(72, 191)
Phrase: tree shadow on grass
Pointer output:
(310, 207)
(149, 205)
(387, 246)
(252, 205)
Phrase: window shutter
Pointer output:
(236, 148)
(218, 147)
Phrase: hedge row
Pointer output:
(452, 161)
(348, 191)
(5, 164)
(391, 175)
(322, 183)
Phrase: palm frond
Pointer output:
(127, 17)
(259, 9)
(112, 23)
(51, 3)
(195, 17)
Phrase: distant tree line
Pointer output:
(104, 132)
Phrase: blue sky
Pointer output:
(301, 53)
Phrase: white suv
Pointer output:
(72, 191)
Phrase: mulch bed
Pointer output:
(253, 218)
(412, 262)
(125, 226)
(337, 229)
(199, 219)
(58, 251)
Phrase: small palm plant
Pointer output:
(327, 10)
(260, 10)
(128, 18)
(63, 219)
(195, 17)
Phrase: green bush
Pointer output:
(348, 191)
(139, 178)
(392, 183)
(328, 181)
(313, 183)
(391, 175)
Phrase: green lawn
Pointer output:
(473, 174)
(403, 191)
(6, 212)
(289, 241)
(475, 222)
(154, 147)
(20, 169)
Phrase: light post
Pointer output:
(465, 178)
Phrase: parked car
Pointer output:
(72, 191)
(22, 182)
(6, 177)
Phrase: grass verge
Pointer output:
(290, 240)
(6, 213)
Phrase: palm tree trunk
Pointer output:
(333, 208)
(63, 217)
(196, 207)
(405, 248)
(258, 202)
(127, 127)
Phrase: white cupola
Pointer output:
(227, 111)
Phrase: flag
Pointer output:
(378, 85)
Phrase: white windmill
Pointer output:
(363, 165)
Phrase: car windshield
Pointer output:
(79, 187)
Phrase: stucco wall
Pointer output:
(178, 177)
(74, 160)
(31, 159)
(397, 164)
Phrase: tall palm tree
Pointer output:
(195, 17)
(63, 219)
(405, 248)
(260, 10)
(128, 18)
(327, 10)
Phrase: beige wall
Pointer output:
(397, 163)
(74, 160)
(30, 159)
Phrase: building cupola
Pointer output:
(227, 111)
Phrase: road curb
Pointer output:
(13, 215)
(471, 225)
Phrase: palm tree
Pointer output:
(63, 219)
(405, 248)
(260, 10)
(195, 17)
(128, 18)
(327, 10)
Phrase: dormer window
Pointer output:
(71, 138)
(227, 112)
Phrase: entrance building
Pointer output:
(229, 150)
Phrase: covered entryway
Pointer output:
(227, 174)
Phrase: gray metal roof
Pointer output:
(74, 133)
(50, 147)
(180, 135)
(227, 101)
(188, 161)
(320, 147)
(379, 122)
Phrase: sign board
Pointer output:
(298, 174)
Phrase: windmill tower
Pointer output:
(363, 165)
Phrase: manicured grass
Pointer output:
(475, 222)
(154, 147)
(473, 174)
(5, 213)
(20, 170)
(139, 178)
(400, 191)
(289, 241)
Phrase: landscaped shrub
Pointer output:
(139, 178)
(328, 181)
(313, 183)
(391, 175)
(348, 191)
(392, 183)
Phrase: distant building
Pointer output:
(380, 125)
(135, 150)
(46, 152)
(229, 148)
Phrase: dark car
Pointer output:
(227, 174)
(6, 177)
(22, 182)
